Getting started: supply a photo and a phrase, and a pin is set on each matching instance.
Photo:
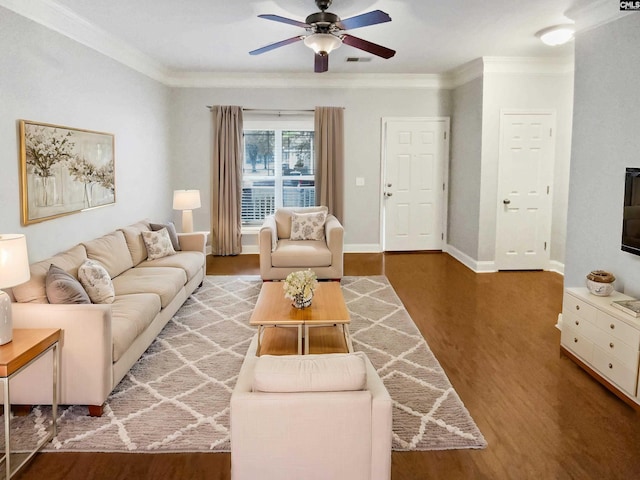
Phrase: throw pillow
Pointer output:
(96, 281)
(158, 244)
(62, 287)
(308, 226)
(171, 229)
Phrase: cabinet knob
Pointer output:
(575, 340)
(612, 326)
(577, 322)
(611, 345)
(610, 366)
(577, 307)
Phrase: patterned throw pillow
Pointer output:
(62, 287)
(171, 229)
(308, 226)
(96, 281)
(158, 244)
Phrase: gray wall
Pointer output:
(364, 109)
(605, 140)
(46, 77)
(465, 168)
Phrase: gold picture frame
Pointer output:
(64, 170)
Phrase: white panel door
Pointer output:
(413, 183)
(525, 172)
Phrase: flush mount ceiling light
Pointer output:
(556, 35)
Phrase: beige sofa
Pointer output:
(279, 255)
(101, 342)
(314, 417)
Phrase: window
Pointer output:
(278, 170)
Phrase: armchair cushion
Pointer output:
(295, 253)
(310, 373)
(308, 226)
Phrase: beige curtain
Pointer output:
(226, 217)
(329, 145)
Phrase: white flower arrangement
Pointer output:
(300, 285)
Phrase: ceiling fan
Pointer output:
(326, 32)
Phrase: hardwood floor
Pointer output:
(494, 335)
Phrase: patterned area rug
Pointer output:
(176, 397)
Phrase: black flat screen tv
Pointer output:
(631, 213)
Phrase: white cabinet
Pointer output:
(604, 339)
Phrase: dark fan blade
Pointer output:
(322, 63)
(370, 47)
(276, 45)
(366, 19)
(278, 18)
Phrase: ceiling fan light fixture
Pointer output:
(556, 35)
(322, 43)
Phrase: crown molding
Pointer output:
(529, 65)
(594, 14)
(510, 65)
(303, 80)
(66, 22)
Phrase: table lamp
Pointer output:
(186, 200)
(14, 270)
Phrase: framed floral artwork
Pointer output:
(64, 170)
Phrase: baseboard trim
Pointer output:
(557, 267)
(474, 265)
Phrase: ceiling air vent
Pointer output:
(358, 59)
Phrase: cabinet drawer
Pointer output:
(578, 307)
(626, 354)
(613, 369)
(579, 325)
(618, 329)
(578, 344)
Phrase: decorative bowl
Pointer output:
(600, 283)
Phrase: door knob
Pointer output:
(506, 201)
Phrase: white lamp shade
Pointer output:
(186, 199)
(322, 42)
(14, 260)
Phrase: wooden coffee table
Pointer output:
(324, 326)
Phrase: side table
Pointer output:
(26, 347)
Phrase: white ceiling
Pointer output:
(430, 36)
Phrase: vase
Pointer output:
(46, 192)
(299, 301)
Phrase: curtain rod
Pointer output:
(273, 112)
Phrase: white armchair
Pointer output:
(280, 255)
(311, 417)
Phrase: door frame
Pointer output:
(528, 111)
(445, 170)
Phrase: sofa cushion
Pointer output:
(299, 253)
(165, 282)
(130, 316)
(158, 244)
(189, 261)
(62, 287)
(96, 281)
(283, 218)
(34, 290)
(308, 226)
(135, 243)
(310, 373)
(111, 251)
(171, 230)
